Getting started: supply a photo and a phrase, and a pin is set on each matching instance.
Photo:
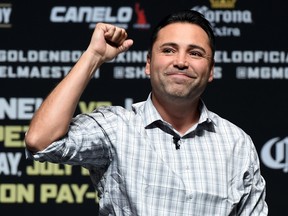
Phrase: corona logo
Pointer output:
(274, 154)
(222, 3)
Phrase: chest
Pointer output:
(150, 158)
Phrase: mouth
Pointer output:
(181, 74)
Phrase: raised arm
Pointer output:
(51, 121)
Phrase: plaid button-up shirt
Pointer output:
(137, 170)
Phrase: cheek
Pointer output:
(160, 64)
(201, 68)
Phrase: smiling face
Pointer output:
(180, 64)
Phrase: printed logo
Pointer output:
(223, 3)
(85, 14)
(225, 22)
(119, 16)
(141, 22)
(274, 154)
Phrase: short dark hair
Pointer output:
(185, 16)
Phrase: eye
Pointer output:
(168, 50)
(196, 54)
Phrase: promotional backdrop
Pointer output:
(41, 40)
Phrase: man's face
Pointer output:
(180, 65)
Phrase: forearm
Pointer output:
(51, 121)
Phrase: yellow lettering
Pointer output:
(84, 171)
(65, 195)
(12, 135)
(86, 108)
(26, 194)
(48, 191)
(16, 193)
(79, 192)
(48, 169)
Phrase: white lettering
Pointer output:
(9, 163)
(278, 160)
(90, 14)
(129, 72)
(19, 108)
(247, 56)
(227, 31)
(225, 16)
(5, 14)
(40, 56)
(131, 57)
(262, 72)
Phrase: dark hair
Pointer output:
(186, 16)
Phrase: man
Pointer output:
(169, 155)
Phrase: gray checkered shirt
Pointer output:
(137, 170)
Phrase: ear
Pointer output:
(147, 67)
(211, 75)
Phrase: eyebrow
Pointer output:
(191, 46)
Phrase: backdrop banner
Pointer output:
(41, 40)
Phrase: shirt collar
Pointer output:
(151, 115)
(148, 111)
(205, 114)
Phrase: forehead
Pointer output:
(183, 33)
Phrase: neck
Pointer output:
(182, 114)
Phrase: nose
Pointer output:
(180, 61)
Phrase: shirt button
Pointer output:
(189, 196)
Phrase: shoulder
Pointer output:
(106, 113)
(226, 125)
(232, 136)
(109, 114)
(221, 125)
